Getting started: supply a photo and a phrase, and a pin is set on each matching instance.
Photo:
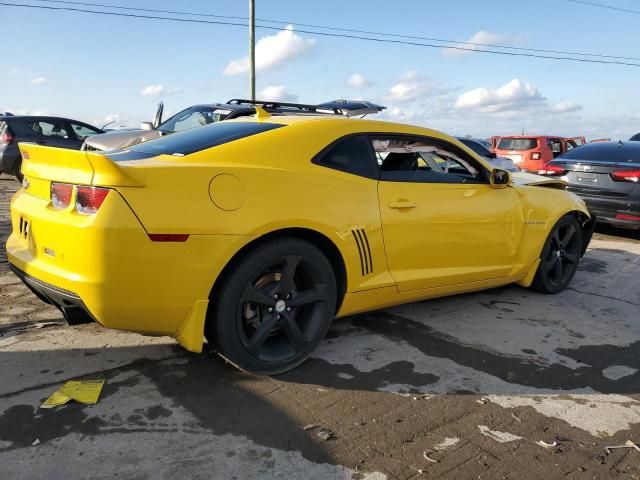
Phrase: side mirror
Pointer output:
(493, 155)
(146, 126)
(500, 178)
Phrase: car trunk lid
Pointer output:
(595, 176)
(42, 165)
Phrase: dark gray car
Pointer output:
(43, 130)
(482, 148)
(606, 175)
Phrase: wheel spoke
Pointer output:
(566, 238)
(551, 263)
(260, 336)
(558, 271)
(252, 295)
(556, 237)
(293, 332)
(571, 257)
(287, 278)
(313, 295)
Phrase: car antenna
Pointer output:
(107, 124)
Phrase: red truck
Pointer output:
(532, 152)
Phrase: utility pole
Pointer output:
(252, 48)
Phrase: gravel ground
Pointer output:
(473, 382)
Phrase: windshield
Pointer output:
(192, 117)
(517, 143)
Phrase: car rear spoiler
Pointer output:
(348, 108)
(74, 166)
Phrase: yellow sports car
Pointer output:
(255, 233)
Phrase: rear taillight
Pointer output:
(89, 199)
(625, 216)
(535, 156)
(550, 169)
(6, 138)
(626, 175)
(61, 195)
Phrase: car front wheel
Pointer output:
(274, 307)
(560, 256)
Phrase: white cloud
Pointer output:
(38, 80)
(512, 96)
(277, 93)
(565, 107)
(273, 50)
(411, 86)
(158, 90)
(358, 80)
(481, 37)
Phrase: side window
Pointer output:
(83, 131)
(555, 146)
(571, 145)
(50, 129)
(418, 159)
(350, 154)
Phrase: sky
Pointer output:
(102, 68)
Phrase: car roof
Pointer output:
(34, 117)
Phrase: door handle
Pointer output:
(402, 204)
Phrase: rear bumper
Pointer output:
(70, 304)
(105, 267)
(606, 209)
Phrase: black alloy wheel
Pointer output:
(275, 307)
(560, 256)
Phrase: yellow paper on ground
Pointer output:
(83, 391)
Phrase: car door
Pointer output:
(54, 133)
(443, 223)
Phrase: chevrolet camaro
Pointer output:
(256, 233)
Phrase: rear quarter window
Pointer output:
(517, 143)
(195, 140)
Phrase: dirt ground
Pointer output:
(456, 388)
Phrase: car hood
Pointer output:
(523, 178)
(120, 139)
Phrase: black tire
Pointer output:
(560, 256)
(273, 307)
(18, 170)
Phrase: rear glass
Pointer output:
(605, 152)
(517, 143)
(194, 140)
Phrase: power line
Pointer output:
(325, 34)
(608, 7)
(340, 29)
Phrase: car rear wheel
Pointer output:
(18, 170)
(560, 256)
(274, 307)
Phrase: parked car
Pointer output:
(258, 231)
(481, 147)
(531, 152)
(199, 115)
(606, 175)
(43, 130)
